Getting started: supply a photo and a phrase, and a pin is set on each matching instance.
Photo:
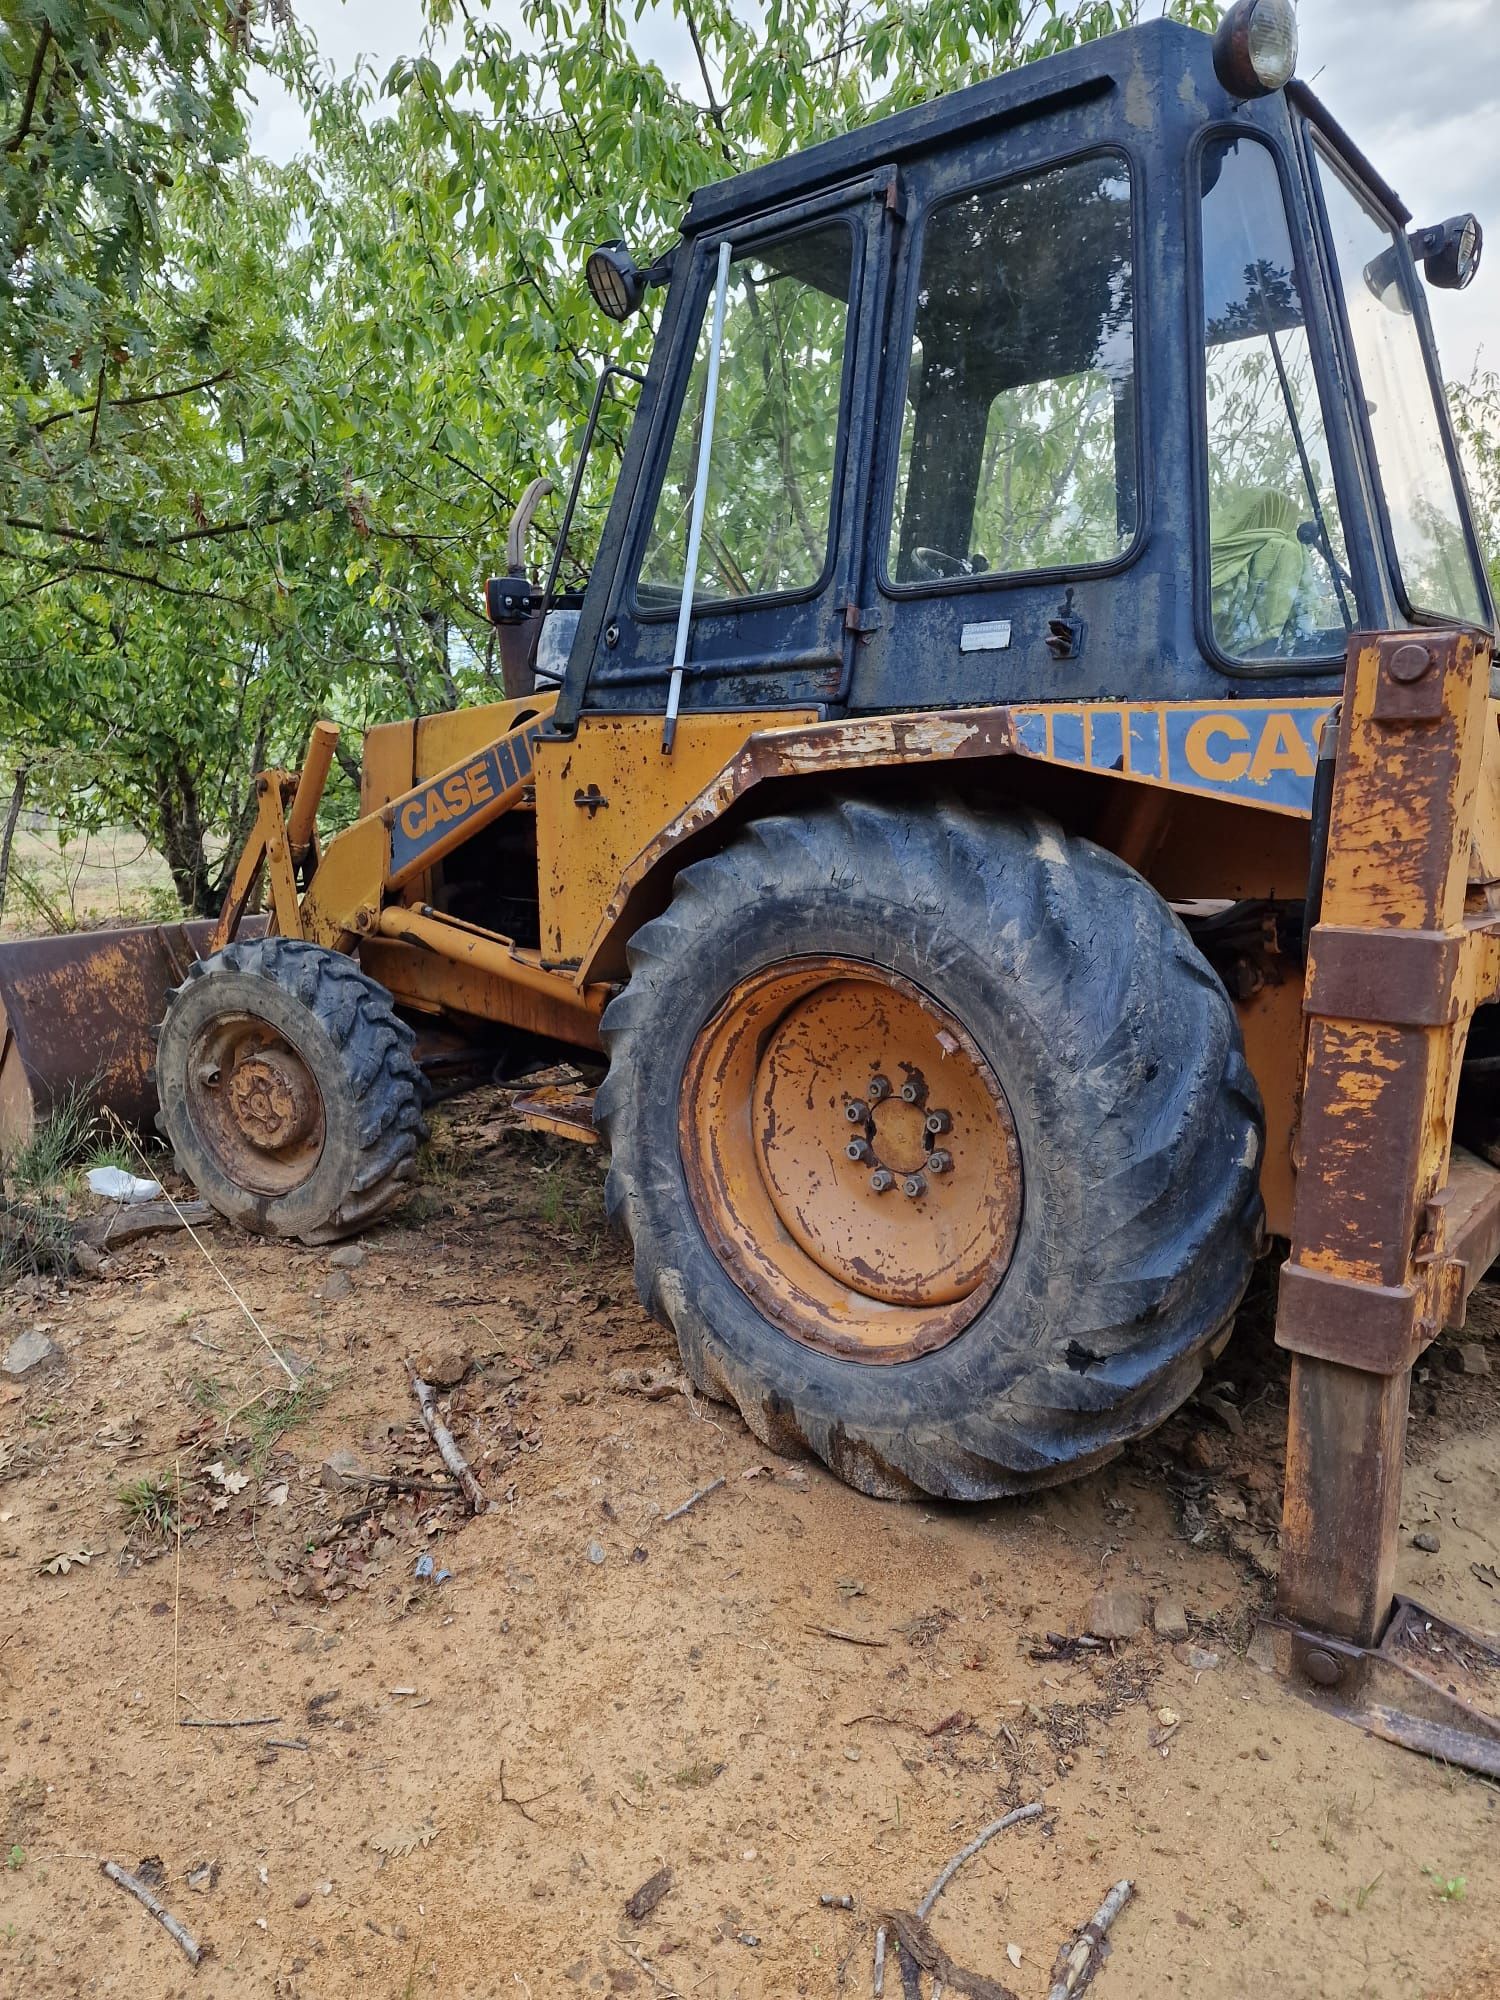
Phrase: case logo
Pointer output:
(1264, 753)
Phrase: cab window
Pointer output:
(1018, 447)
(768, 517)
(1421, 494)
(1279, 576)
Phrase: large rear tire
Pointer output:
(935, 1140)
(288, 1089)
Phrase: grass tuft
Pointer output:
(35, 1236)
(150, 1506)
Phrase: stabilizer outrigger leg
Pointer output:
(1392, 1226)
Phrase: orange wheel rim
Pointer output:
(255, 1103)
(851, 1158)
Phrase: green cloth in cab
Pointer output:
(1257, 570)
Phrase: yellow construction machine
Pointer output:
(1014, 818)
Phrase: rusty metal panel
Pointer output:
(1353, 977)
(1396, 964)
(564, 1110)
(428, 984)
(807, 750)
(1374, 1327)
(604, 795)
(80, 1013)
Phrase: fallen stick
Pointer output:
(1081, 1956)
(847, 1638)
(447, 1449)
(950, 1868)
(879, 1962)
(918, 1951)
(693, 1499)
(158, 1910)
(229, 1722)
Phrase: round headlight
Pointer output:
(1455, 262)
(614, 280)
(1255, 47)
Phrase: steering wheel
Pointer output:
(931, 565)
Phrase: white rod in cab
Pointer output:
(700, 499)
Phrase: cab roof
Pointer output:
(1141, 63)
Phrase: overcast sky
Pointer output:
(1417, 85)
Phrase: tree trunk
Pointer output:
(12, 820)
(183, 846)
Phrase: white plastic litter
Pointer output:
(116, 1185)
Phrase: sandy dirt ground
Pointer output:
(785, 1693)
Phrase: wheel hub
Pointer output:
(273, 1099)
(255, 1102)
(852, 1157)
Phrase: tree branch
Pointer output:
(125, 576)
(43, 42)
(135, 402)
(215, 531)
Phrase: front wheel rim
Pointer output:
(255, 1104)
(851, 1158)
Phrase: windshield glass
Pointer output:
(1420, 492)
(1280, 587)
(771, 472)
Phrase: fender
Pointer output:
(1260, 754)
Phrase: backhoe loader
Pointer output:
(1015, 816)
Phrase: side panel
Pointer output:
(1243, 754)
(602, 796)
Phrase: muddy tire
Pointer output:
(1048, 1288)
(288, 1089)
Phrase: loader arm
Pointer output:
(351, 893)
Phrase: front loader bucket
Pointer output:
(79, 1013)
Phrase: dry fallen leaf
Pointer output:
(228, 1476)
(1013, 1953)
(60, 1564)
(397, 1841)
(276, 1495)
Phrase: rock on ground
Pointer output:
(1116, 1614)
(28, 1351)
(1169, 1618)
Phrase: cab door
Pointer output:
(786, 498)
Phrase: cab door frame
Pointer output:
(786, 649)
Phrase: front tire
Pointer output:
(288, 1089)
(1050, 1289)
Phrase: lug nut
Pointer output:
(856, 1112)
(939, 1162)
(880, 1087)
(859, 1150)
(938, 1122)
(913, 1091)
(914, 1185)
(882, 1180)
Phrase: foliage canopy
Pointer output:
(262, 426)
